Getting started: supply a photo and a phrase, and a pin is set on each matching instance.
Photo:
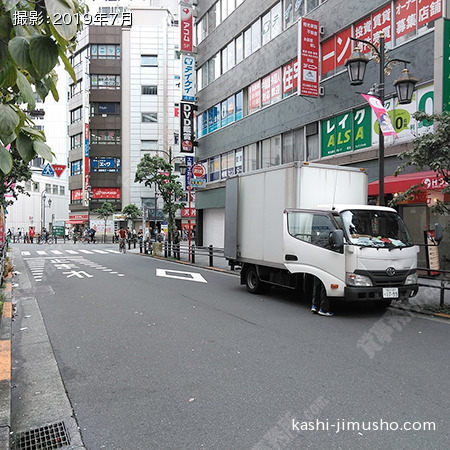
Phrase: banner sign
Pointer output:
(383, 117)
(188, 88)
(308, 55)
(187, 127)
(187, 28)
(106, 193)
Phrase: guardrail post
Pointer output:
(211, 252)
(165, 249)
(193, 253)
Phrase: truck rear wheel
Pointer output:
(253, 282)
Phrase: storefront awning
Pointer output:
(402, 183)
(75, 222)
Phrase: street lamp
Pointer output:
(89, 197)
(356, 67)
(43, 198)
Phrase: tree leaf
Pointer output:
(19, 48)
(9, 4)
(24, 145)
(67, 64)
(41, 148)
(5, 26)
(57, 9)
(8, 75)
(6, 162)
(44, 54)
(9, 119)
(26, 90)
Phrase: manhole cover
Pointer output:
(47, 437)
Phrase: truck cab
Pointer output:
(359, 252)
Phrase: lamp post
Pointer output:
(43, 198)
(356, 67)
(89, 196)
(183, 169)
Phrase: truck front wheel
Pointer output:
(253, 282)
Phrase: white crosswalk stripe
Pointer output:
(72, 252)
(101, 251)
(87, 252)
(56, 252)
(25, 253)
(41, 252)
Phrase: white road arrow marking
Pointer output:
(187, 276)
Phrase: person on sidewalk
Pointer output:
(321, 302)
(176, 243)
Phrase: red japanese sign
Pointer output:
(405, 17)
(77, 194)
(343, 47)
(363, 31)
(309, 46)
(382, 22)
(265, 91)
(255, 96)
(106, 192)
(428, 10)
(290, 78)
(328, 56)
(275, 86)
(187, 28)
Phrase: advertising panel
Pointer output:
(188, 87)
(187, 28)
(308, 55)
(187, 127)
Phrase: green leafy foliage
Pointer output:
(431, 151)
(156, 171)
(132, 211)
(104, 212)
(29, 52)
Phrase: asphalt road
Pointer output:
(158, 355)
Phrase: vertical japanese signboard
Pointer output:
(187, 127)
(446, 64)
(188, 89)
(308, 56)
(87, 166)
(187, 27)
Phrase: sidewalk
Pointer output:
(427, 301)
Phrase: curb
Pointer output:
(6, 365)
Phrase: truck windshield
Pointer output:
(371, 228)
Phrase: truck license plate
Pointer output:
(390, 292)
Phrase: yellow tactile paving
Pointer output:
(5, 360)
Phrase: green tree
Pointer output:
(106, 211)
(431, 150)
(154, 170)
(10, 187)
(132, 212)
(33, 39)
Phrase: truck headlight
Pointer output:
(358, 280)
(411, 279)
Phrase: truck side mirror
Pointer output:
(337, 240)
(438, 232)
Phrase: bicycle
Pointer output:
(42, 240)
(122, 246)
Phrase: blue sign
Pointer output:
(48, 171)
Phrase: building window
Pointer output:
(105, 51)
(149, 117)
(149, 90)
(105, 109)
(76, 115)
(149, 60)
(75, 89)
(76, 167)
(251, 157)
(105, 137)
(36, 186)
(55, 189)
(105, 81)
(75, 141)
(150, 145)
(28, 186)
(62, 190)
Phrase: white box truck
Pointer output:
(288, 224)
